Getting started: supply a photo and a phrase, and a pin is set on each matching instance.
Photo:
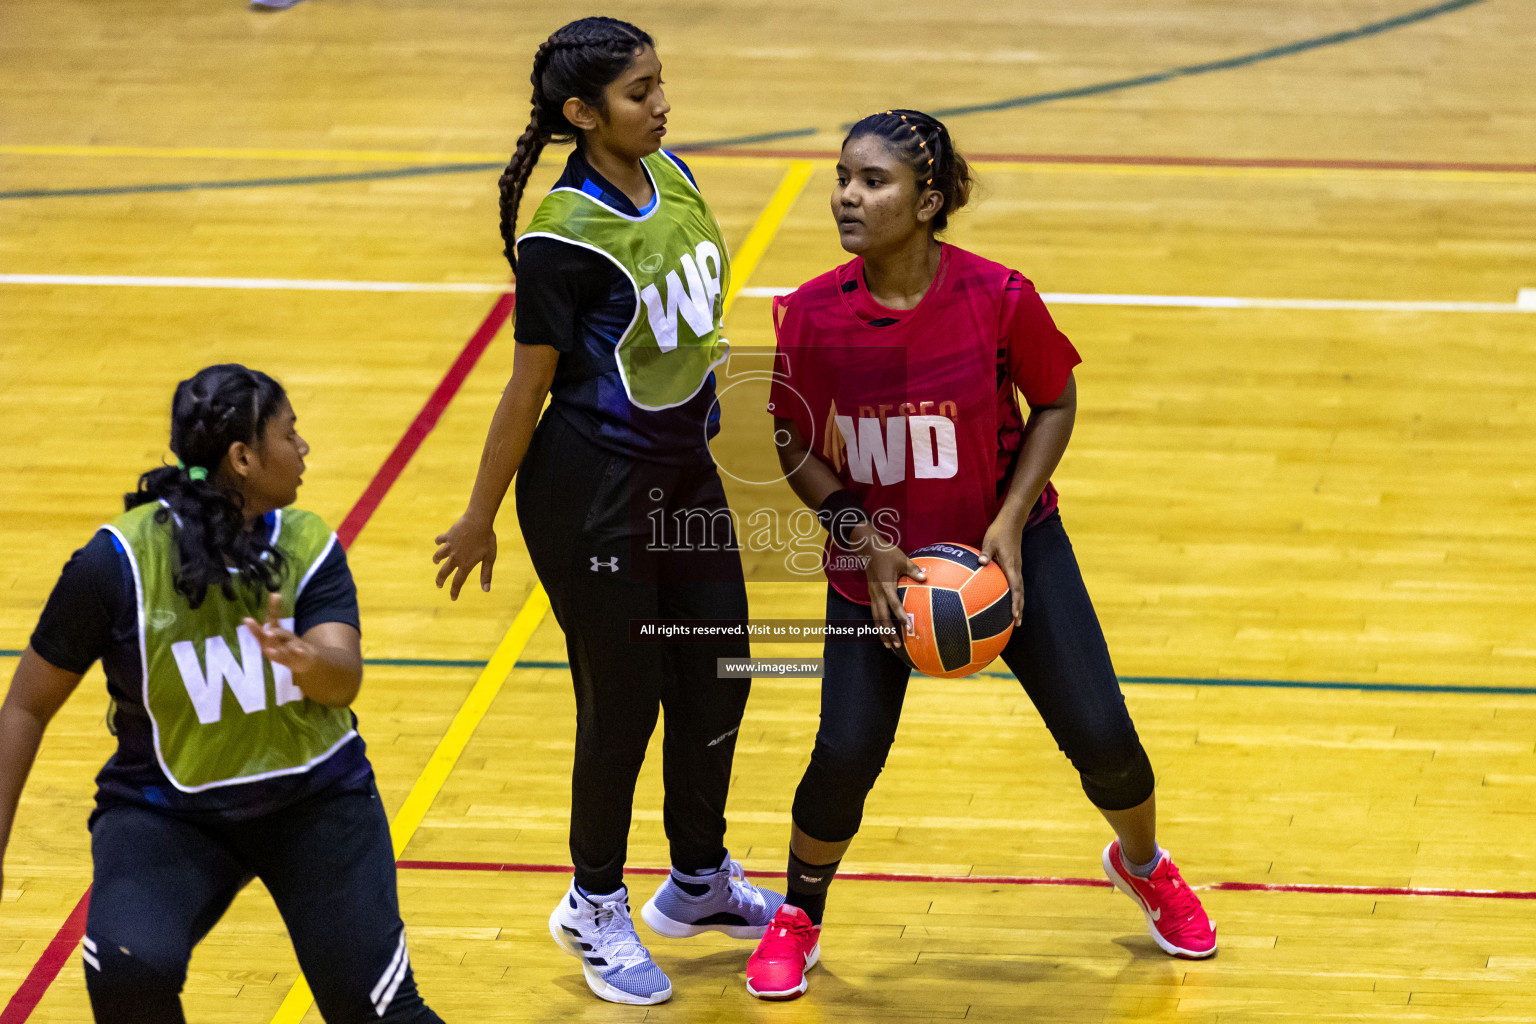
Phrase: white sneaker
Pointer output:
(731, 905)
(598, 931)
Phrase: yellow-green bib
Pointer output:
(219, 712)
(675, 258)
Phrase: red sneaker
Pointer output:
(790, 947)
(1175, 917)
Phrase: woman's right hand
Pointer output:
(886, 564)
(469, 542)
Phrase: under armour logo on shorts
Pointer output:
(612, 565)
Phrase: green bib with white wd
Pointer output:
(220, 713)
(675, 258)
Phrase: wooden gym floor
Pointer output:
(1307, 524)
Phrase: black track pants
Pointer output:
(615, 539)
(1058, 654)
(160, 883)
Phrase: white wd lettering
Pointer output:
(934, 455)
(872, 449)
(245, 676)
(708, 259)
(696, 302)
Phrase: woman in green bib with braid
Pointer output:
(621, 279)
(226, 622)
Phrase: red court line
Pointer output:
(47, 967)
(425, 420)
(1090, 883)
(846, 876)
(1167, 161)
(1372, 890)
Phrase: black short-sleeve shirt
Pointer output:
(579, 302)
(92, 615)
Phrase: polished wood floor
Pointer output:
(1293, 495)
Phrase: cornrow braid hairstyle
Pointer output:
(580, 59)
(216, 407)
(924, 143)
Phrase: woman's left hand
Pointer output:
(278, 644)
(1001, 545)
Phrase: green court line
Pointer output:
(1283, 684)
(307, 179)
(1288, 684)
(1190, 70)
(426, 662)
(745, 140)
(1304, 684)
(1030, 100)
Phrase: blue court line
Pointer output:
(1033, 99)
(1284, 684)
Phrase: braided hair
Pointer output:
(924, 143)
(217, 407)
(580, 59)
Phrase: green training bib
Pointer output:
(220, 713)
(675, 259)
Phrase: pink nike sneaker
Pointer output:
(790, 947)
(1175, 917)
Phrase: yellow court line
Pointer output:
(719, 159)
(744, 261)
(463, 726)
(408, 819)
(432, 777)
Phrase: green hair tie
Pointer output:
(196, 472)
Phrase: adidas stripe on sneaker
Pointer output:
(598, 931)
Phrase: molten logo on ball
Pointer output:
(960, 618)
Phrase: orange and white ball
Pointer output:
(960, 618)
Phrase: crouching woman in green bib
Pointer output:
(226, 623)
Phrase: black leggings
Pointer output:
(1059, 656)
(590, 518)
(161, 882)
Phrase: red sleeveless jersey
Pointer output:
(915, 410)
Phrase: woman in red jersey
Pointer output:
(897, 419)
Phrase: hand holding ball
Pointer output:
(960, 618)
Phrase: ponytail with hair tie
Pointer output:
(193, 472)
(212, 410)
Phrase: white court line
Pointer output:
(274, 283)
(1525, 303)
